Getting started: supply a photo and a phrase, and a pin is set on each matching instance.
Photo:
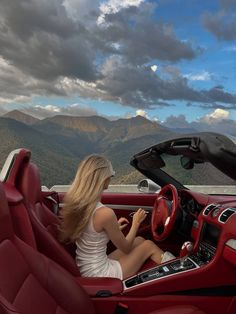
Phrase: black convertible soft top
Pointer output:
(217, 149)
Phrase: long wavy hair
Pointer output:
(83, 195)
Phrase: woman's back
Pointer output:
(91, 256)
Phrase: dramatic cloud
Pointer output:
(211, 99)
(141, 39)
(140, 87)
(222, 24)
(58, 47)
(218, 94)
(17, 87)
(40, 40)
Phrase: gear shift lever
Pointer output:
(185, 251)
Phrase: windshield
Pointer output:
(203, 177)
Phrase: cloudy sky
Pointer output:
(172, 61)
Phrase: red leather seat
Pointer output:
(32, 283)
(33, 222)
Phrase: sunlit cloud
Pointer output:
(157, 120)
(142, 113)
(50, 108)
(202, 76)
(114, 6)
(216, 121)
(216, 116)
(154, 67)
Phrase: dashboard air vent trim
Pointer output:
(226, 214)
(209, 208)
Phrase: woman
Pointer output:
(90, 224)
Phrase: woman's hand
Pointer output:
(123, 222)
(139, 217)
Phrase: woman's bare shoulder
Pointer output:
(105, 212)
(103, 216)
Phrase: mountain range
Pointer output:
(58, 143)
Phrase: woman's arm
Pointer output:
(105, 219)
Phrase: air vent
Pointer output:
(228, 212)
(209, 208)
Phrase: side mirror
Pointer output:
(148, 186)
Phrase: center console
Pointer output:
(169, 269)
(206, 250)
(207, 245)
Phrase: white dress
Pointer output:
(91, 256)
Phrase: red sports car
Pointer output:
(192, 215)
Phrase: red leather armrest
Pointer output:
(96, 286)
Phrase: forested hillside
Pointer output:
(58, 144)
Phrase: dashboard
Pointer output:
(189, 204)
(214, 239)
(197, 207)
(193, 203)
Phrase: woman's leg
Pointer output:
(131, 263)
(117, 254)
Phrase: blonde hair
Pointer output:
(83, 195)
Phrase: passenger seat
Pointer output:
(34, 223)
(32, 283)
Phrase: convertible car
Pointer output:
(190, 194)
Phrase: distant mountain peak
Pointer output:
(89, 124)
(21, 117)
(140, 117)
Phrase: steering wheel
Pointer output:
(164, 212)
